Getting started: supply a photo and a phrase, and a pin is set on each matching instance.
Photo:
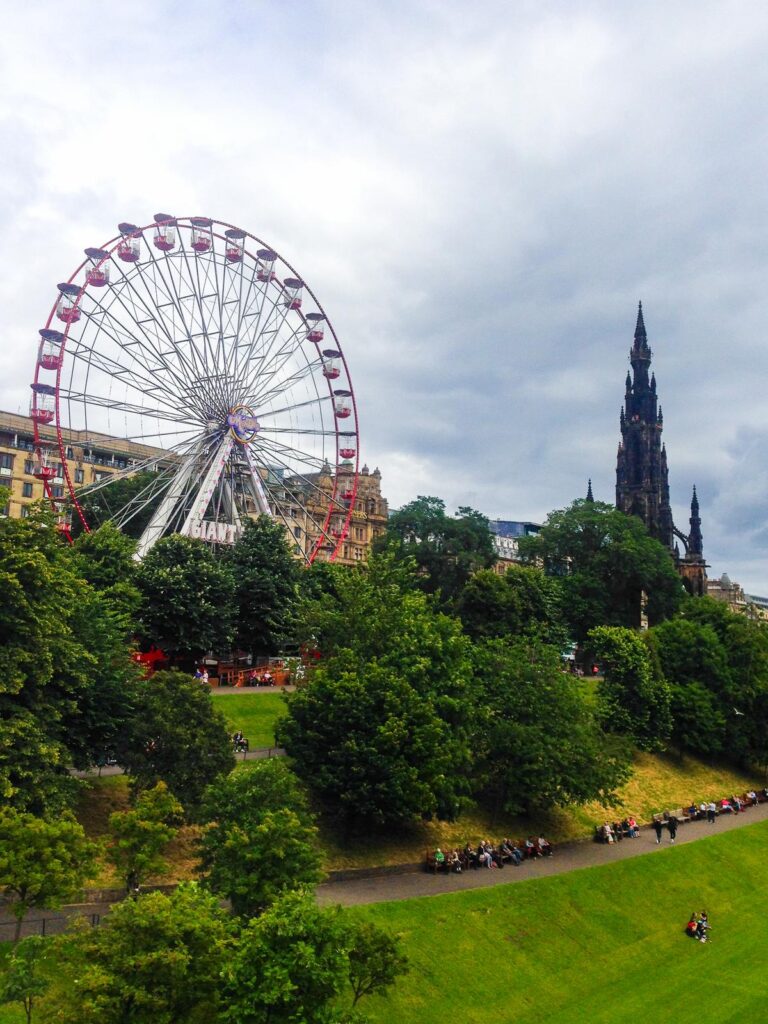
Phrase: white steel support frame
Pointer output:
(258, 487)
(159, 521)
(204, 495)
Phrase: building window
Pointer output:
(359, 533)
(29, 466)
(24, 511)
(57, 490)
(6, 461)
(358, 554)
(79, 476)
(26, 490)
(297, 532)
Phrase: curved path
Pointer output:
(568, 857)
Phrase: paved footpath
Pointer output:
(568, 857)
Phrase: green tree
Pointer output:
(24, 979)
(45, 664)
(260, 841)
(740, 688)
(187, 598)
(105, 559)
(136, 496)
(635, 699)
(522, 602)
(538, 742)
(141, 834)
(695, 663)
(265, 574)
(376, 960)
(155, 960)
(380, 731)
(176, 736)
(42, 863)
(446, 549)
(304, 953)
(606, 560)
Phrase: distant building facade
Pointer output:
(310, 496)
(93, 457)
(506, 534)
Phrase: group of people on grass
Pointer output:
(698, 926)
(486, 855)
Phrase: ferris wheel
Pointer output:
(214, 372)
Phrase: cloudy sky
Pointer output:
(478, 194)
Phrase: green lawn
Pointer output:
(255, 714)
(599, 945)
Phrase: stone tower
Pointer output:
(642, 485)
(642, 476)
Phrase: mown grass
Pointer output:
(598, 945)
(254, 714)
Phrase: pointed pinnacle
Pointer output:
(589, 491)
(640, 325)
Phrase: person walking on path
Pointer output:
(711, 812)
(672, 826)
(658, 825)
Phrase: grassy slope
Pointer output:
(98, 799)
(658, 782)
(255, 714)
(599, 945)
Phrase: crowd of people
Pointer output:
(488, 855)
(614, 832)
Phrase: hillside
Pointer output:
(598, 945)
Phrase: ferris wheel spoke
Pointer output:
(258, 398)
(173, 301)
(208, 356)
(297, 405)
(109, 403)
(298, 430)
(127, 337)
(271, 368)
(104, 322)
(308, 483)
(105, 364)
(266, 329)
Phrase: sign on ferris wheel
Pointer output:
(201, 348)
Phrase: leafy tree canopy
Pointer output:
(176, 736)
(62, 646)
(634, 696)
(381, 728)
(522, 602)
(538, 742)
(260, 841)
(141, 834)
(605, 560)
(447, 549)
(187, 605)
(24, 978)
(42, 863)
(154, 960)
(310, 958)
(266, 576)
